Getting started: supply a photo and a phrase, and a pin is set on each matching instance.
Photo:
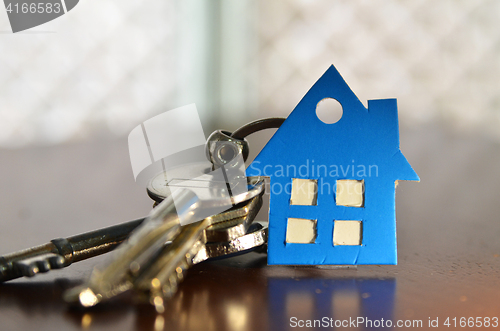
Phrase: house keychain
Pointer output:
(332, 202)
(333, 184)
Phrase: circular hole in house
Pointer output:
(329, 110)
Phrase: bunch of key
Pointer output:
(192, 221)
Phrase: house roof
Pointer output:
(361, 138)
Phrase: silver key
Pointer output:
(160, 279)
(62, 252)
(162, 225)
(255, 238)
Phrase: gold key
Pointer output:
(160, 279)
(162, 226)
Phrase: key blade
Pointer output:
(62, 252)
(173, 259)
(254, 239)
(231, 229)
(29, 262)
(39, 264)
(115, 277)
(161, 226)
(161, 277)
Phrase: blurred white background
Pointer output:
(108, 65)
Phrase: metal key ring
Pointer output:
(258, 125)
(223, 146)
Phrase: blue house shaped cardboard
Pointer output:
(313, 219)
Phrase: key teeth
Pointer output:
(169, 289)
(26, 269)
(57, 262)
(5, 269)
(40, 264)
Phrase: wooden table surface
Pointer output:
(448, 230)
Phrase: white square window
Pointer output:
(350, 193)
(301, 231)
(304, 192)
(347, 233)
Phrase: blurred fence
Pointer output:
(108, 65)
